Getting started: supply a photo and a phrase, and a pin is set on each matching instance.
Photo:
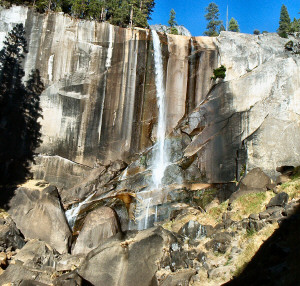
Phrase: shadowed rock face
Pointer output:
(100, 97)
(51, 226)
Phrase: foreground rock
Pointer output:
(18, 274)
(99, 224)
(37, 254)
(10, 236)
(253, 182)
(39, 214)
(130, 260)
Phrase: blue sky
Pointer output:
(262, 15)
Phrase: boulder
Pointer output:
(282, 179)
(254, 216)
(67, 262)
(70, 279)
(16, 274)
(37, 254)
(290, 208)
(279, 200)
(264, 215)
(255, 179)
(180, 277)
(3, 259)
(193, 230)
(39, 214)
(285, 170)
(220, 242)
(10, 236)
(220, 272)
(132, 259)
(98, 225)
(255, 224)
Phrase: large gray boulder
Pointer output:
(253, 182)
(98, 225)
(255, 179)
(18, 274)
(37, 255)
(39, 214)
(130, 260)
(10, 236)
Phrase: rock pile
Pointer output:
(38, 248)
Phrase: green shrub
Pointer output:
(174, 31)
(219, 72)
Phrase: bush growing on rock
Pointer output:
(219, 73)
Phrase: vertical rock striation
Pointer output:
(100, 97)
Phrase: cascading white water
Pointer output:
(72, 213)
(160, 157)
(107, 66)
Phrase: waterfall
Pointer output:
(107, 66)
(160, 156)
(72, 213)
(146, 202)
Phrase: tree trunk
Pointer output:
(131, 17)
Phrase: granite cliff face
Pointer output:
(100, 99)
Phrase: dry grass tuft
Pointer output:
(250, 203)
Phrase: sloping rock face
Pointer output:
(252, 118)
(132, 260)
(99, 224)
(39, 214)
(100, 97)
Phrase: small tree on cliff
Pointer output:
(233, 25)
(172, 23)
(19, 109)
(284, 22)
(212, 17)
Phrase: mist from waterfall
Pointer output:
(160, 157)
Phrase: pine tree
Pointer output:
(41, 5)
(79, 8)
(222, 28)
(284, 22)
(16, 143)
(172, 23)
(295, 26)
(233, 25)
(118, 12)
(142, 10)
(95, 10)
(213, 17)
